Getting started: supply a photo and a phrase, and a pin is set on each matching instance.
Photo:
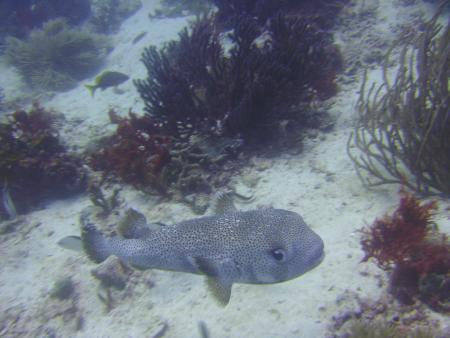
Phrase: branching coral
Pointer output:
(402, 132)
(56, 57)
(193, 86)
(408, 244)
(33, 162)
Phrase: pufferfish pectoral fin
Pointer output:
(220, 275)
(72, 243)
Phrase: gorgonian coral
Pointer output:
(323, 12)
(195, 86)
(33, 162)
(402, 132)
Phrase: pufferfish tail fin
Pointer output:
(95, 244)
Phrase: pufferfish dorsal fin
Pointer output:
(220, 275)
(133, 225)
(223, 203)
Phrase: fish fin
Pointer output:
(71, 243)
(133, 225)
(95, 244)
(220, 290)
(220, 277)
(224, 203)
(91, 89)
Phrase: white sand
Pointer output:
(320, 184)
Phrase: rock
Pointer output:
(112, 272)
(63, 289)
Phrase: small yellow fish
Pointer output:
(107, 79)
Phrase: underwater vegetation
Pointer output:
(143, 154)
(194, 86)
(107, 15)
(33, 162)
(19, 17)
(56, 56)
(409, 246)
(204, 103)
(136, 153)
(402, 132)
(322, 12)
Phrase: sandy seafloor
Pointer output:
(319, 183)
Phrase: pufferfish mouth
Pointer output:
(317, 256)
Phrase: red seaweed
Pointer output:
(136, 152)
(408, 244)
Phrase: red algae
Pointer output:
(408, 244)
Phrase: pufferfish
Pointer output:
(255, 247)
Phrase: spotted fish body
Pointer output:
(256, 247)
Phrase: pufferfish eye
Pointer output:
(279, 255)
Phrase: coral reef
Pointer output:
(56, 56)
(194, 87)
(408, 244)
(143, 154)
(33, 162)
(402, 132)
(107, 15)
